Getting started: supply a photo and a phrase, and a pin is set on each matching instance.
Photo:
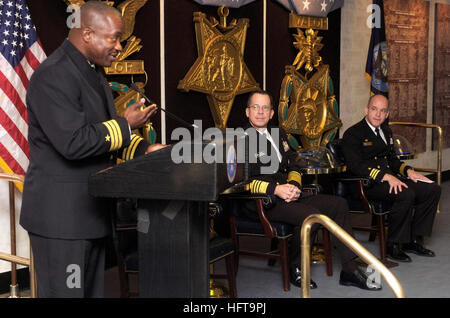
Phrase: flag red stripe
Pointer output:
(32, 60)
(14, 97)
(14, 132)
(21, 73)
(10, 161)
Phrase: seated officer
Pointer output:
(278, 176)
(369, 151)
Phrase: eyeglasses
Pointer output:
(265, 108)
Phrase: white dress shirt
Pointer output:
(265, 132)
(379, 129)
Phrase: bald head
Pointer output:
(98, 37)
(92, 12)
(377, 99)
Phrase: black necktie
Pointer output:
(377, 131)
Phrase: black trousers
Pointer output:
(296, 212)
(413, 209)
(69, 268)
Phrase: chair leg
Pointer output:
(327, 251)
(273, 247)
(382, 235)
(235, 239)
(374, 222)
(123, 279)
(230, 263)
(284, 258)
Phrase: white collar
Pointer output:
(373, 129)
(263, 131)
(91, 64)
(266, 133)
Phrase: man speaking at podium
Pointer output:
(74, 131)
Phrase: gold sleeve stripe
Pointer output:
(111, 135)
(257, 186)
(115, 134)
(295, 176)
(127, 151)
(130, 150)
(133, 146)
(374, 173)
(119, 133)
(402, 169)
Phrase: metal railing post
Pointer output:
(438, 170)
(13, 258)
(350, 242)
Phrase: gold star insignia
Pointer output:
(108, 138)
(220, 70)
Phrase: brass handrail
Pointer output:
(350, 242)
(13, 258)
(438, 170)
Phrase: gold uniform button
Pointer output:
(378, 167)
(388, 166)
(375, 158)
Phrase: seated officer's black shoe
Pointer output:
(296, 278)
(417, 248)
(394, 251)
(358, 278)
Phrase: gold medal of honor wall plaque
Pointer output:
(308, 106)
(220, 70)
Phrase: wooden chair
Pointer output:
(241, 226)
(353, 189)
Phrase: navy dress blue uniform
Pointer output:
(369, 156)
(73, 131)
(297, 211)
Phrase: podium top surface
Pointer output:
(195, 171)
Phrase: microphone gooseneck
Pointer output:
(135, 88)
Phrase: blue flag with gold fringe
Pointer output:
(376, 65)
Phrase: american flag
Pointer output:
(21, 53)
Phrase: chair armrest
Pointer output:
(267, 199)
(262, 200)
(365, 181)
(312, 189)
(362, 183)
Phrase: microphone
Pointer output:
(135, 88)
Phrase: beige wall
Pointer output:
(354, 87)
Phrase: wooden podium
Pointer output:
(173, 227)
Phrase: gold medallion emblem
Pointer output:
(308, 106)
(220, 70)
